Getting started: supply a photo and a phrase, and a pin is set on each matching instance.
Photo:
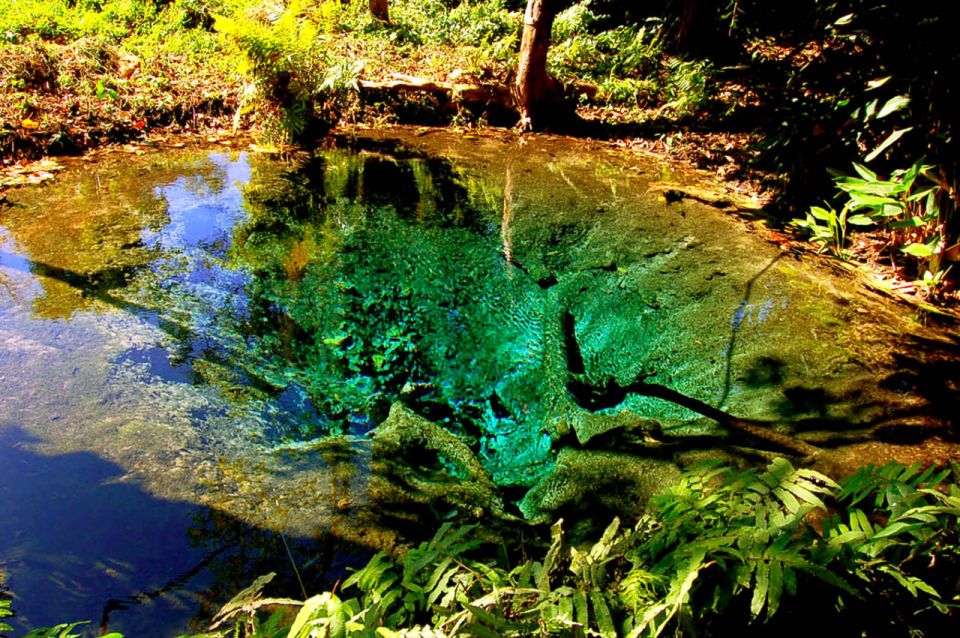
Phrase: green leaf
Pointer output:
(441, 587)
(865, 172)
(920, 251)
(602, 615)
(846, 536)
(859, 521)
(885, 144)
(876, 84)
(860, 220)
(822, 213)
(788, 499)
(761, 585)
(896, 528)
(913, 222)
(59, 631)
(581, 611)
(565, 607)
(775, 588)
(308, 612)
(893, 105)
(550, 560)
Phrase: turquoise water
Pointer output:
(199, 347)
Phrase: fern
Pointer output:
(5, 613)
(889, 484)
(717, 542)
(296, 82)
(744, 530)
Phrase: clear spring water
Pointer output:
(176, 327)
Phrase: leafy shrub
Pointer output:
(628, 61)
(54, 19)
(624, 52)
(906, 209)
(720, 552)
(629, 91)
(478, 23)
(687, 85)
(300, 85)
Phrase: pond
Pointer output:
(216, 364)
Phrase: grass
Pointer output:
(76, 74)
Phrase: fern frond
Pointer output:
(890, 483)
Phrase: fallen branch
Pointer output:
(756, 430)
(483, 95)
(471, 95)
(597, 397)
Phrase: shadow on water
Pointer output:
(736, 322)
(77, 543)
(923, 385)
(97, 285)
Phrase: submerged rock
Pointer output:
(433, 463)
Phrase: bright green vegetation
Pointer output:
(306, 62)
(720, 552)
(107, 70)
(905, 207)
(629, 62)
(790, 93)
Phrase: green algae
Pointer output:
(587, 480)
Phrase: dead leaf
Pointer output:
(127, 65)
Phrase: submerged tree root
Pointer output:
(752, 429)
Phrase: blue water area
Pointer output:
(80, 543)
(203, 213)
(159, 364)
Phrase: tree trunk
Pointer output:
(690, 26)
(534, 88)
(379, 10)
(699, 32)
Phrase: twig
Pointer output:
(296, 571)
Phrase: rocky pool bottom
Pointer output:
(210, 356)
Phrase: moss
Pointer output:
(618, 482)
(410, 439)
(589, 425)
